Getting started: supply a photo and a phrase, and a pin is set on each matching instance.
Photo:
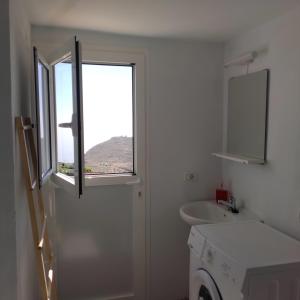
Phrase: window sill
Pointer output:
(63, 181)
(98, 180)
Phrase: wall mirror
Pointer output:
(247, 115)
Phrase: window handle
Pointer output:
(65, 125)
(72, 125)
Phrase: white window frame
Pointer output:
(70, 49)
(93, 54)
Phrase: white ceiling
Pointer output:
(215, 20)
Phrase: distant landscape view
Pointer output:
(107, 118)
(114, 156)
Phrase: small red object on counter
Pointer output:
(221, 194)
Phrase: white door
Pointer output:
(203, 287)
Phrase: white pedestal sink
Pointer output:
(205, 212)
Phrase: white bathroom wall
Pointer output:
(8, 281)
(273, 190)
(184, 109)
(21, 84)
(184, 112)
(17, 275)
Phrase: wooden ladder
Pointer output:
(38, 216)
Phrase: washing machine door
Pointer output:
(203, 287)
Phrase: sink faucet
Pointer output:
(230, 204)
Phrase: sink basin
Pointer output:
(205, 212)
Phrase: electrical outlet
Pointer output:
(190, 177)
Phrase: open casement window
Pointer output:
(66, 101)
(42, 93)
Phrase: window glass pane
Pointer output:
(108, 118)
(44, 120)
(64, 111)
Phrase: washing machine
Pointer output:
(243, 261)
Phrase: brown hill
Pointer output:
(112, 156)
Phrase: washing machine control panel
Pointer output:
(222, 266)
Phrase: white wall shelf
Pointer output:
(240, 159)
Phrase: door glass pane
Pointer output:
(44, 120)
(108, 118)
(64, 112)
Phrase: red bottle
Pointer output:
(221, 194)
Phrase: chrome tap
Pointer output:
(230, 204)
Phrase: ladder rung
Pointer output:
(50, 282)
(50, 279)
(27, 127)
(33, 185)
(42, 238)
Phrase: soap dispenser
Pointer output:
(221, 194)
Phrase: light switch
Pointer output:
(190, 177)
